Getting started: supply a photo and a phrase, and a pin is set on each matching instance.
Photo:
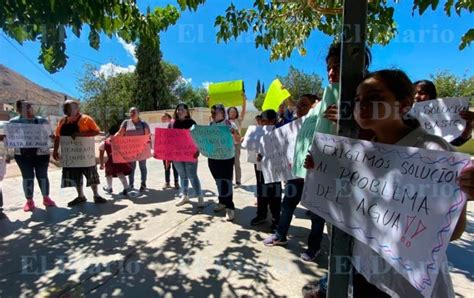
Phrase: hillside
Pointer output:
(14, 86)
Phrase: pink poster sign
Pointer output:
(174, 145)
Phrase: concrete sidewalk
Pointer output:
(145, 246)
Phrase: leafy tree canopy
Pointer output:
(278, 25)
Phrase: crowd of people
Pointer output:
(386, 92)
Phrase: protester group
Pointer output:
(382, 111)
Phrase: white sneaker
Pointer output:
(230, 214)
(183, 200)
(201, 202)
(219, 207)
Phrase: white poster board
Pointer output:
(253, 136)
(277, 149)
(440, 117)
(78, 152)
(403, 202)
(25, 135)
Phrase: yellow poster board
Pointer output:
(275, 96)
(227, 93)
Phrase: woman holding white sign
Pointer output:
(390, 93)
(222, 170)
(75, 125)
(136, 127)
(187, 171)
(426, 90)
(33, 162)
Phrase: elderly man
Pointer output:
(75, 125)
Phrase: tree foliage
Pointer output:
(152, 92)
(280, 26)
(107, 100)
(193, 97)
(449, 85)
(258, 102)
(299, 83)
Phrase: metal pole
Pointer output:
(352, 72)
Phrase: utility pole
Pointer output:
(352, 72)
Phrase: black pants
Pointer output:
(293, 193)
(268, 195)
(168, 173)
(223, 171)
(362, 288)
(316, 235)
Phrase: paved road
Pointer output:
(147, 246)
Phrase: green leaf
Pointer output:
(466, 39)
(94, 39)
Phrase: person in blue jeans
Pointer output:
(33, 162)
(136, 127)
(187, 171)
(291, 199)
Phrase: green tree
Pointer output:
(449, 85)
(152, 92)
(299, 83)
(258, 102)
(259, 89)
(280, 26)
(107, 100)
(49, 22)
(193, 97)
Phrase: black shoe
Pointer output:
(76, 201)
(273, 227)
(257, 221)
(99, 200)
(143, 187)
(108, 190)
(2, 215)
(124, 193)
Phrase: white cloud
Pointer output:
(111, 70)
(130, 48)
(206, 84)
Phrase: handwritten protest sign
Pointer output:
(440, 117)
(314, 122)
(174, 145)
(226, 93)
(278, 149)
(23, 135)
(131, 148)
(78, 152)
(253, 135)
(275, 96)
(214, 141)
(402, 202)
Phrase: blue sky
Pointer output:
(424, 46)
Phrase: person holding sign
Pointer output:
(222, 170)
(391, 93)
(426, 90)
(73, 125)
(136, 127)
(187, 171)
(3, 170)
(112, 169)
(32, 161)
(292, 198)
(168, 164)
(237, 119)
(268, 194)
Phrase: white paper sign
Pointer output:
(78, 152)
(25, 135)
(440, 117)
(253, 136)
(402, 202)
(277, 149)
